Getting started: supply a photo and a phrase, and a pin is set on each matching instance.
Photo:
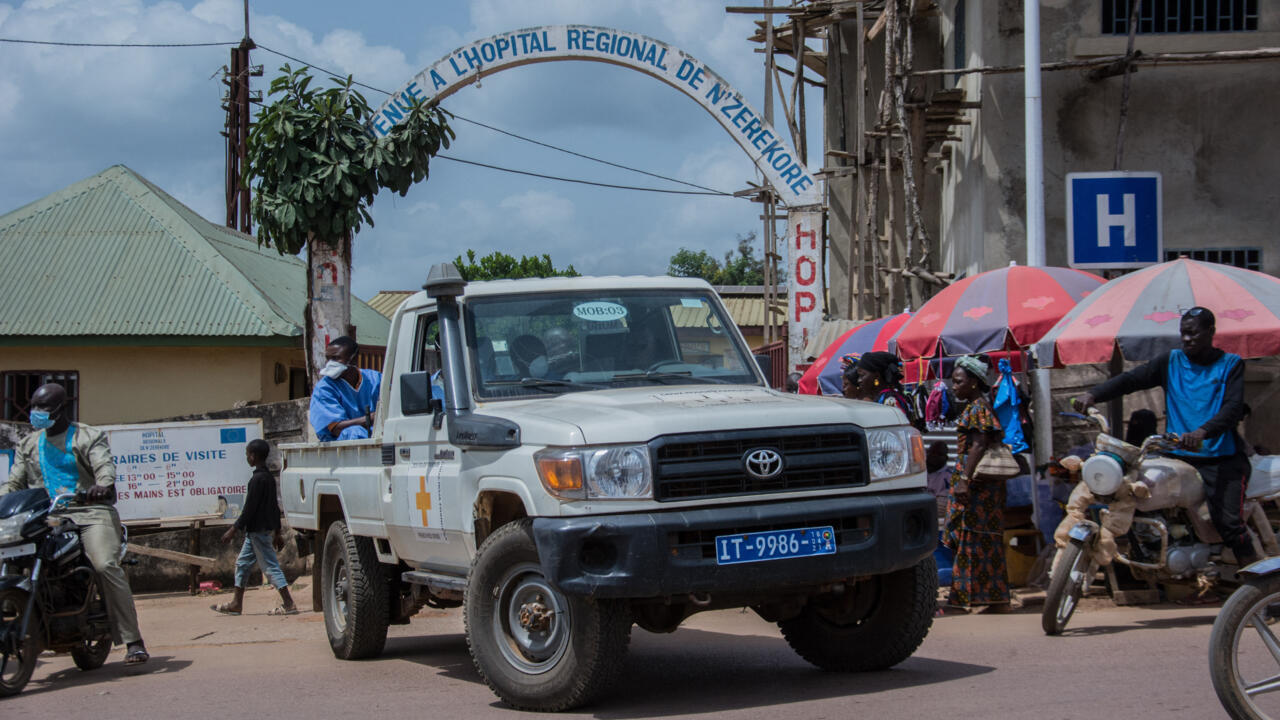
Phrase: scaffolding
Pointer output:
(889, 256)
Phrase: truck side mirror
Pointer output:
(415, 393)
(765, 363)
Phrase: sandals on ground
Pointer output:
(136, 656)
(282, 610)
(224, 609)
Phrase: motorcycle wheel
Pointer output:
(1244, 652)
(17, 658)
(1065, 588)
(91, 654)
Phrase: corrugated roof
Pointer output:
(115, 255)
(827, 333)
(388, 301)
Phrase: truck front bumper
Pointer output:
(643, 555)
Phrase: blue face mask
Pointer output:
(41, 420)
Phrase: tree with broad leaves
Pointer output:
(501, 266)
(315, 168)
(740, 266)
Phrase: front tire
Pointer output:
(353, 595)
(873, 625)
(17, 658)
(537, 648)
(1246, 609)
(1065, 588)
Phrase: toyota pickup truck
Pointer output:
(566, 458)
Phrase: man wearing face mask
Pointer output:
(345, 397)
(66, 457)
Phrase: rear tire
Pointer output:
(17, 660)
(91, 655)
(354, 595)
(537, 648)
(874, 625)
(1065, 589)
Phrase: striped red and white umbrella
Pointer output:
(1003, 309)
(1140, 313)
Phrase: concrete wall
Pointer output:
(1207, 129)
(135, 384)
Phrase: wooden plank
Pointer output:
(174, 555)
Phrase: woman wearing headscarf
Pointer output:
(975, 520)
(876, 377)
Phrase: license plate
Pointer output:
(17, 550)
(774, 545)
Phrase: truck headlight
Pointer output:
(894, 452)
(619, 472)
(11, 528)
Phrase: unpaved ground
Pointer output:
(1128, 663)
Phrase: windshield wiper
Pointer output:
(677, 375)
(546, 384)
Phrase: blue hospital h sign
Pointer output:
(1114, 220)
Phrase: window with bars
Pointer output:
(1247, 258)
(1181, 16)
(19, 385)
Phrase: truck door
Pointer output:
(423, 509)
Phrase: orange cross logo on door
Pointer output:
(422, 500)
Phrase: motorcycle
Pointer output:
(1245, 666)
(49, 594)
(1142, 509)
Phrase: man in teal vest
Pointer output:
(65, 457)
(1204, 401)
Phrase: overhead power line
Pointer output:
(709, 191)
(116, 45)
(584, 182)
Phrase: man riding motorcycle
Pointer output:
(65, 457)
(1204, 401)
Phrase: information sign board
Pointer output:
(170, 470)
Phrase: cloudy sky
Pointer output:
(68, 113)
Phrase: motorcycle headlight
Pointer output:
(620, 472)
(11, 527)
(894, 452)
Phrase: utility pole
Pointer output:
(237, 102)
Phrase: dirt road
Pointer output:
(1113, 662)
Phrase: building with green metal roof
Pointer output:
(145, 309)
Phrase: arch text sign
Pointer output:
(770, 152)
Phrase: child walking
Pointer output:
(260, 521)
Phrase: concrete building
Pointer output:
(143, 309)
(1207, 128)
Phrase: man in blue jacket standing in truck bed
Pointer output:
(345, 397)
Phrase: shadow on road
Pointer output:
(698, 671)
(1185, 621)
(114, 670)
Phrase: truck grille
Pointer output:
(699, 465)
(701, 544)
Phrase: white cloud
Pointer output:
(536, 210)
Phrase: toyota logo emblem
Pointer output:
(762, 463)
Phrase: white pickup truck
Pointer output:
(568, 457)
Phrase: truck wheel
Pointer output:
(354, 595)
(1242, 659)
(873, 625)
(537, 648)
(1066, 585)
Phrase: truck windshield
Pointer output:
(551, 343)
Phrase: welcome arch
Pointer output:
(770, 153)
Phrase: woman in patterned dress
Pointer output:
(975, 521)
